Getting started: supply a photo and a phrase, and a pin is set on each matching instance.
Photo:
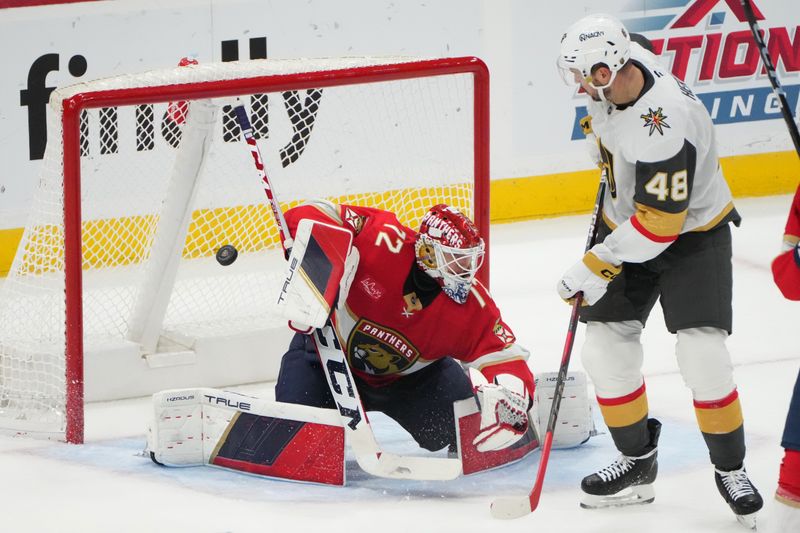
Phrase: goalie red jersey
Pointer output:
(395, 320)
(786, 267)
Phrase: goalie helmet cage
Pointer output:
(145, 176)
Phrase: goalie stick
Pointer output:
(518, 506)
(786, 111)
(365, 447)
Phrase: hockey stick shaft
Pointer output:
(569, 342)
(786, 111)
(368, 453)
(258, 161)
(516, 507)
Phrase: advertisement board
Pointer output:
(539, 166)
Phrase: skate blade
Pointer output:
(637, 495)
(747, 520)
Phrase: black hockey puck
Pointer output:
(227, 255)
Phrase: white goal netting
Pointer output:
(166, 179)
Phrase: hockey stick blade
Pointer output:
(420, 468)
(511, 507)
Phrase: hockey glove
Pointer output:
(592, 147)
(504, 412)
(591, 275)
(350, 267)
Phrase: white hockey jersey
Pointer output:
(660, 155)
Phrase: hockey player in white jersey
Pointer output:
(664, 235)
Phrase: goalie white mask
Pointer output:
(450, 250)
(594, 40)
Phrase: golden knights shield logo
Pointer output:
(378, 350)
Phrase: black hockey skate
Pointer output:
(740, 494)
(626, 481)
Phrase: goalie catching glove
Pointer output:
(591, 275)
(504, 408)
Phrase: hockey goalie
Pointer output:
(421, 340)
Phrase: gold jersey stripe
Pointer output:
(720, 420)
(716, 220)
(610, 223)
(658, 222)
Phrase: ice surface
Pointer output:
(108, 485)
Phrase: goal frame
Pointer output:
(74, 105)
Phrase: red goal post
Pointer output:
(290, 80)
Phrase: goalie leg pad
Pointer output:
(282, 448)
(193, 427)
(575, 423)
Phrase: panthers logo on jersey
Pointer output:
(378, 350)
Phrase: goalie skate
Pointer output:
(626, 481)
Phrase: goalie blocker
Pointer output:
(211, 427)
(320, 267)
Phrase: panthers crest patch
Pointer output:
(380, 351)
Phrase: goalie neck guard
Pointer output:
(450, 250)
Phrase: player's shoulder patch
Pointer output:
(353, 220)
(503, 332)
(655, 120)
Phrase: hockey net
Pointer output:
(114, 285)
